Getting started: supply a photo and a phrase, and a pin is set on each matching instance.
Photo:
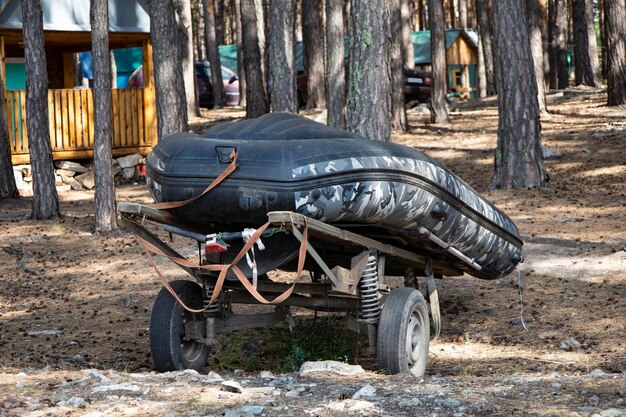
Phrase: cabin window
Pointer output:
(457, 79)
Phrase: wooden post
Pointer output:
(149, 97)
(68, 70)
(4, 67)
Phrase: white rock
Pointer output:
(232, 386)
(96, 374)
(86, 179)
(117, 389)
(412, 402)
(212, 378)
(597, 373)
(337, 405)
(367, 391)
(71, 166)
(128, 173)
(245, 411)
(43, 332)
(360, 405)
(548, 153)
(129, 160)
(331, 366)
(612, 412)
(76, 401)
(266, 375)
(322, 117)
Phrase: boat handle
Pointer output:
(427, 234)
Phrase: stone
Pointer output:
(266, 375)
(593, 401)
(251, 346)
(212, 378)
(63, 188)
(597, 373)
(95, 374)
(129, 161)
(76, 401)
(250, 410)
(450, 402)
(78, 358)
(65, 174)
(550, 153)
(336, 367)
(124, 388)
(556, 385)
(569, 343)
(420, 109)
(337, 405)
(170, 415)
(75, 185)
(366, 391)
(232, 386)
(128, 173)
(360, 405)
(612, 412)
(87, 180)
(129, 303)
(72, 166)
(43, 332)
(409, 402)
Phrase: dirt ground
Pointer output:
(72, 300)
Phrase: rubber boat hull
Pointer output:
(287, 162)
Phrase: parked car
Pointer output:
(417, 85)
(203, 81)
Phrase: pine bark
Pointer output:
(241, 70)
(369, 83)
(559, 74)
(185, 33)
(423, 19)
(408, 54)
(220, 22)
(438, 107)
(313, 56)
(398, 111)
(168, 73)
(335, 73)
(8, 188)
(586, 61)
(256, 95)
(217, 84)
(518, 158)
(615, 13)
(45, 197)
(536, 47)
(282, 56)
(105, 212)
(463, 14)
(486, 38)
(482, 76)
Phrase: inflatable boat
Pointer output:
(286, 162)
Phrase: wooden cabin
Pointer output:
(66, 32)
(461, 56)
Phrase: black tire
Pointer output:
(170, 352)
(404, 333)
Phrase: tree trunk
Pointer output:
(335, 73)
(536, 49)
(482, 77)
(452, 14)
(585, 50)
(438, 107)
(256, 97)
(486, 38)
(8, 188)
(185, 34)
(213, 53)
(615, 14)
(398, 111)
(559, 74)
(106, 214)
(369, 83)
(463, 14)
(518, 158)
(261, 36)
(113, 71)
(408, 53)
(220, 22)
(78, 69)
(603, 35)
(282, 56)
(197, 13)
(168, 73)
(421, 10)
(45, 198)
(241, 70)
(313, 57)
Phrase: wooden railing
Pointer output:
(70, 113)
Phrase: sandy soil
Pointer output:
(71, 299)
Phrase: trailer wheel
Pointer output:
(403, 333)
(170, 351)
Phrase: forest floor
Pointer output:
(75, 305)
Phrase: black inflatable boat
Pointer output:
(286, 162)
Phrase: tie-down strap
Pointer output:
(223, 269)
